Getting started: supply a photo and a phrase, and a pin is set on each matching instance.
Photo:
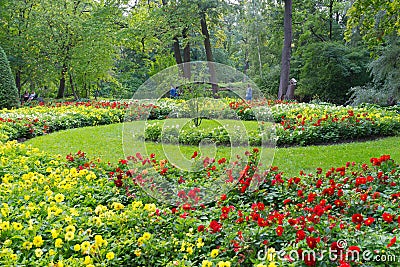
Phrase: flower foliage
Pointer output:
(58, 211)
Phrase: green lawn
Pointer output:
(106, 142)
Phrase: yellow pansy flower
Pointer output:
(69, 236)
(38, 252)
(224, 264)
(117, 206)
(199, 242)
(110, 255)
(137, 252)
(17, 226)
(146, 236)
(206, 263)
(87, 260)
(59, 198)
(58, 243)
(150, 207)
(38, 241)
(70, 228)
(27, 245)
(85, 246)
(54, 233)
(189, 250)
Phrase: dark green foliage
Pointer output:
(8, 91)
(329, 69)
(386, 69)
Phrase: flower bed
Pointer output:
(29, 122)
(296, 124)
(305, 124)
(77, 212)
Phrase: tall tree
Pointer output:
(17, 36)
(374, 20)
(8, 91)
(286, 50)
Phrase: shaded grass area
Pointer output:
(105, 142)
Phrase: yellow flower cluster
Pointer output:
(144, 238)
(38, 189)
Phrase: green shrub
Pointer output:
(329, 70)
(8, 91)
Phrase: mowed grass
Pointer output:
(106, 143)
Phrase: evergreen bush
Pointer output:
(8, 91)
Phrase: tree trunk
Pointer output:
(177, 51)
(61, 87)
(178, 56)
(330, 19)
(18, 80)
(71, 82)
(259, 57)
(209, 56)
(186, 56)
(287, 43)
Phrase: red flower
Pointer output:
(194, 154)
(215, 226)
(279, 230)
(261, 222)
(376, 195)
(164, 171)
(392, 242)
(240, 220)
(223, 197)
(336, 248)
(301, 234)
(225, 209)
(364, 197)
(260, 206)
(357, 218)
(311, 197)
(340, 192)
(369, 221)
(354, 248)
(338, 203)
(309, 259)
(287, 201)
(223, 160)
(186, 206)
(387, 217)
(118, 183)
(200, 228)
(123, 161)
(312, 241)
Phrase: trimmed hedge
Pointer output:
(8, 91)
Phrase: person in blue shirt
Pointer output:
(249, 93)
(173, 93)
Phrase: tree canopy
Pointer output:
(86, 47)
